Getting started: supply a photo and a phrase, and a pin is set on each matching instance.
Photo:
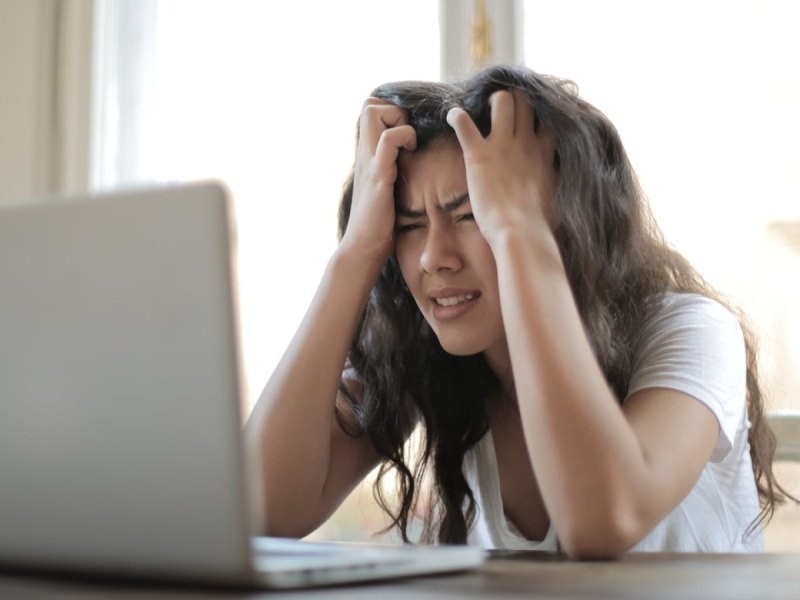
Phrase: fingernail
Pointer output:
(451, 111)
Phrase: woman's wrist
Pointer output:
(355, 264)
(533, 234)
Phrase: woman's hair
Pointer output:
(618, 266)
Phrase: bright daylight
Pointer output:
(422, 298)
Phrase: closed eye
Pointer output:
(406, 227)
(465, 217)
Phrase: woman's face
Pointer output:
(445, 260)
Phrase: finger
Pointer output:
(376, 117)
(390, 143)
(502, 109)
(383, 109)
(523, 113)
(374, 100)
(469, 137)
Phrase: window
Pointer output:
(704, 95)
(264, 96)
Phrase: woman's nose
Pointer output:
(441, 250)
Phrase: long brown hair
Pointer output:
(618, 266)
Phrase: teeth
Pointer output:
(453, 300)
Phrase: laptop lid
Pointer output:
(120, 387)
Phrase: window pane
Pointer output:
(266, 96)
(705, 97)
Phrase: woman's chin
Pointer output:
(461, 347)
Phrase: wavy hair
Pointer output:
(618, 266)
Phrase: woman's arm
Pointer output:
(309, 464)
(607, 475)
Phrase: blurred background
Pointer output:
(101, 94)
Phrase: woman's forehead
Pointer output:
(432, 175)
(442, 149)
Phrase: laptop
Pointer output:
(121, 402)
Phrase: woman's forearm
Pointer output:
(586, 457)
(292, 426)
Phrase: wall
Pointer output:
(26, 57)
(45, 66)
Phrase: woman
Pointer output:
(499, 281)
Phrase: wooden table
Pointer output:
(507, 575)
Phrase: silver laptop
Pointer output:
(121, 402)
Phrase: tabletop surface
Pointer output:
(505, 575)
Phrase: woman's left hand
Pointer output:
(510, 174)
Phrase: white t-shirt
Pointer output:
(693, 345)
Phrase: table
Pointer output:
(505, 575)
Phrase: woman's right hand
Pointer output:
(383, 131)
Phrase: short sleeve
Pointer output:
(695, 345)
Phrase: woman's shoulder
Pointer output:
(680, 309)
(694, 344)
(689, 336)
(677, 301)
(690, 325)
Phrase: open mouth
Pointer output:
(454, 300)
(451, 304)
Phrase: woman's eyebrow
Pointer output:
(402, 211)
(450, 206)
(455, 203)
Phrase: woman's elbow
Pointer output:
(600, 538)
(286, 527)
